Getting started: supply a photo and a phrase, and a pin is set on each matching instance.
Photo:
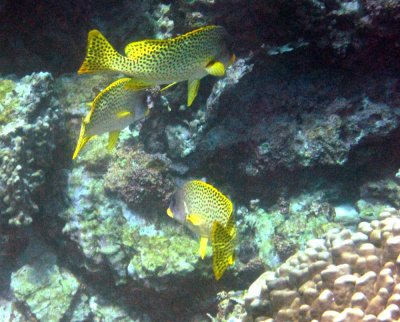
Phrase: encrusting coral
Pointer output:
(348, 276)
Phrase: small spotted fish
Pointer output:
(151, 62)
(111, 111)
(207, 212)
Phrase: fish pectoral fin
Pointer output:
(112, 140)
(195, 219)
(170, 213)
(216, 68)
(193, 88)
(223, 244)
(168, 86)
(137, 85)
(203, 247)
(122, 114)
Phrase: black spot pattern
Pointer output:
(204, 200)
(223, 243)
(112, 100)
(178, 58)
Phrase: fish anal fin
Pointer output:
(112, 140)
(82, 140)
(122, 114)
(137, 85)
(193, 88)
(203, 247)
(216, 68)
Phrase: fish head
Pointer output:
(177, 207)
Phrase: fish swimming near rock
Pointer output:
(113, 109)
(151, 62)
(208, 213)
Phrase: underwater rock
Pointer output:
(343, 275)
(275, 234)
(44, 288)
(9, 312)
(145, 255)
(142, 180)
(279, 121)
(346, 214)
(29, 129)
(386, 191)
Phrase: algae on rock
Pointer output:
(45, 288)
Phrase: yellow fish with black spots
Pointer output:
(151, 62)
(113, 109)
(208, 213)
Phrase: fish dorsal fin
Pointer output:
(193, 88)
(223, 245)
(216, 68)
(112, 140)
(195, 219)
(137, 49)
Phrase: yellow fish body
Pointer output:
(190, 57)
(112, 110)
(208, 213)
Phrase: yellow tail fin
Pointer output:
(223, 244)
(81, 141)
(100, 55)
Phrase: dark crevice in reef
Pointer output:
(371, 160)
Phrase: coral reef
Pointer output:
(303, 130)
(347, 275)
(142, 180)
(277, 233)
(28, 138)
(47, 290)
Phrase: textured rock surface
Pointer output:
(142, 180)
(47, 290)
(347, 275)
(315, 107)
(28, 138)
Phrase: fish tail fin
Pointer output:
(223, 245)
(81, 141)
(100, 55)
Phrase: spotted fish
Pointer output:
(112, 110)
(151, 62)
(207, 212)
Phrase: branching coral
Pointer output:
(348, 276)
